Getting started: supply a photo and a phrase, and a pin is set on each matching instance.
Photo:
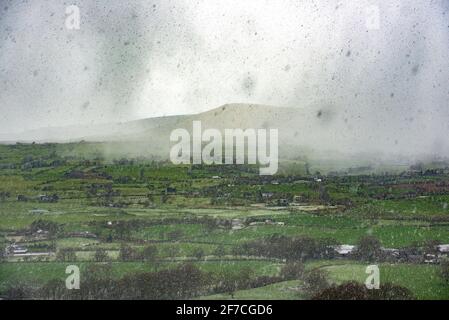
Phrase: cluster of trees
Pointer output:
(54, 229)
(316, 285)
(313, 281)
(444, 264)
(230, 281)
(292, 271)
(369, 249)
(123, 229)
(356, 291)
(183, 282)
(149, 253)
(101, 255)
(186, 281)
(128, 253)
(4, 195)
(2, 253)
(66, 255)
(290, 248)
(51, 160)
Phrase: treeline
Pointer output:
(124, 229)
(289, 248)
(356, 291)
(185, 281)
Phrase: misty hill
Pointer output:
(318, 134)
(289, 121)
(151, 136)
(296, 127)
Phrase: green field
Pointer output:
(62, 199)
(287, 290)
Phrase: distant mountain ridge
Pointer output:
(227, 116)
(317, 135)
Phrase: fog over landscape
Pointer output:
(368, 88)
(240, 153)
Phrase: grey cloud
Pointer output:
(386, 88)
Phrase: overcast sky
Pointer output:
(140, 59)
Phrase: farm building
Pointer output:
(237, 224)
(267, 195)
(344, 250)
(283, 202)
(49, 199)
(170, 190)
(15, 249)
(443, 249)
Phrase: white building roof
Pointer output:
(344, 248)
(443, 247)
